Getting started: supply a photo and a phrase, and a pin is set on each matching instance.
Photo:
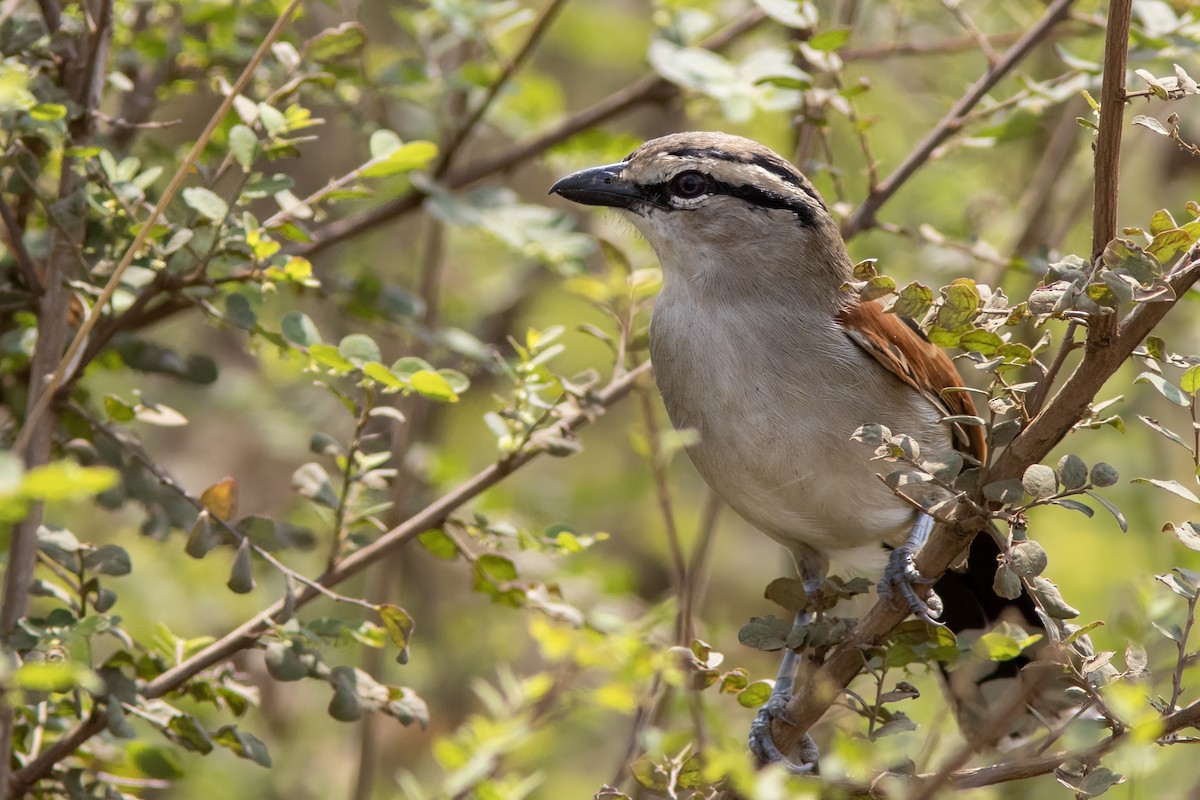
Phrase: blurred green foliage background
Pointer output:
(466, 250)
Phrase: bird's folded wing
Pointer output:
(899, 346)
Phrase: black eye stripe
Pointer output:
(661, 195)
(766, 161)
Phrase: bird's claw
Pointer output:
(902, 575)
(804, 756)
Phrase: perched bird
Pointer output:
(758, 345)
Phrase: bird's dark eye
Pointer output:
(689, 184)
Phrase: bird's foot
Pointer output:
(803, 758)
(901, 576)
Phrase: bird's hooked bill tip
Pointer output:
(598, 186)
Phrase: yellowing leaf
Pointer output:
(221, 498)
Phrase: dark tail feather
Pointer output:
(971, 604)
(976, 688)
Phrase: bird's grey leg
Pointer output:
(803, 759)
(901, 575)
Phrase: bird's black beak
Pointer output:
(599, 186)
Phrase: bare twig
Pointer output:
(51, 14)
(1039, 395)
(864, 216)
(247, 634)
(635, 94)
(17, 242)
(981, 41)
(945, 47)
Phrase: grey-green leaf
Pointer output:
(241, 576)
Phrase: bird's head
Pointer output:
(711, 201)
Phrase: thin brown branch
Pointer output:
(864, 216)
(662, 492)
(964, 19)
(1038, 200)
(464, 131)
(1039, 395)
(697, 566)
(993, 730)
(648, 89)
(945, 47)
(51, 14)
(1108, 146)
(17, 243)
(122, 440)
(247, 634)
(945, 546)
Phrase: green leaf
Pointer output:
(408, 157)
(399, 625)
(1039, 481)
(237, 309)
(1104, 474)
(48, 112)
(1072, 472)
(408, 366)
(432, 385)
(310, 480)
(787, 592)
(382, 375)
(66, 480)
(384, 143)
(160, 763)
(1112, 509)
(243, 144)
(328, 356)
(438, 544)
(186, 731)
(1190, 381)
(283, 662)
(358, 348)
(497, 567)
(241, 576)
(983, 342)
(118, 410)
(830, 40)
(206, 203)
(203, 537)
(765, 633)
(243, 744)
(299, 328)
(109, 559)
(913, 301)
(344, 40)
(877, 287)
(755, 694)
(960, 305)
(458, 382)
(1165, 388)
(1174, 487)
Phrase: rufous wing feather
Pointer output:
(902, 350)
